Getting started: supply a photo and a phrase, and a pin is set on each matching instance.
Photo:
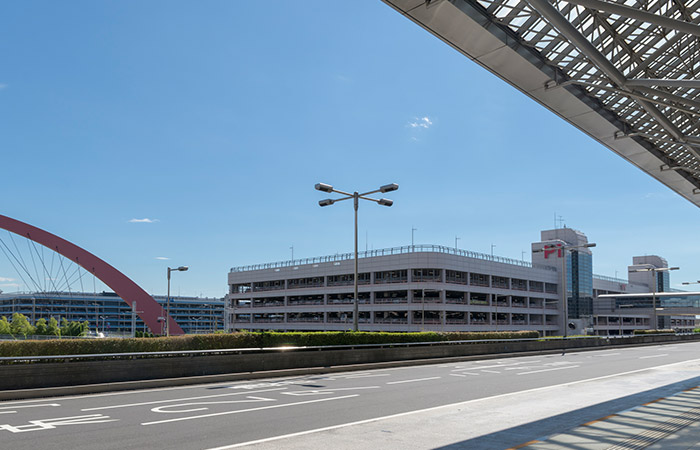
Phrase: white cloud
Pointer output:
(6, 280)
(144, 220)
(422, 122)
(6, 285)
(163, 258)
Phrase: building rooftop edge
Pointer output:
(407, 249)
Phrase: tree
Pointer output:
(4, 326)
(40, 327)
(53, 328)
(20, 325)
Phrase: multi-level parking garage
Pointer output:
(400, 289)
(430, 287)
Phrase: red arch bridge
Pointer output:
(150, 311)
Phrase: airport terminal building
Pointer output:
(431, 287)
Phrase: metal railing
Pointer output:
(235, 351)
(421, 248)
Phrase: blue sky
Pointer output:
(215, 119)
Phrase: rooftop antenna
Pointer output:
(412, 230)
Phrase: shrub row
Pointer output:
(669, 331)
(236, 340)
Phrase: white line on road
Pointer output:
(602, 356)
(653, 356)
(451, 405)
(248, 399)
(411, 381)
(155, 402)
(203, 416)
(491, 371)
(327, 391)
(13, 408)
(547, 370)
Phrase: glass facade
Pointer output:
(663, 281)
(579, 284)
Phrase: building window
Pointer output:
(456, 277)
(518, 285)
(422, 275)
(268, 285)
(550, 288)
(536, 286)
(478, 279)
(300, 283)
(391, 276)
(240, 288)
(499, 282)
(348, 279)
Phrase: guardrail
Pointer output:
(420, 248)
(240, 351)
(42, 376)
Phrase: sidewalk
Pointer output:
(670, 423)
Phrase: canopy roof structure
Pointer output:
(624, 72)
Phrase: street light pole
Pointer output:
(356, 307)
(323, 187)
(167, 300)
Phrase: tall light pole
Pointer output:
(323, 187)
(564, 249)
(167, 315)
(654, 271)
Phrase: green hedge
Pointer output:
(236, 340)
(654, 332)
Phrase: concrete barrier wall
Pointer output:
(21, 376)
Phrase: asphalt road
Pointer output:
(488, 398)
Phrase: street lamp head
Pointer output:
(385, 202)
(183, 268)
(674, 268)
(388, 188)
(323, 187)
(326, 202)
(589, 245)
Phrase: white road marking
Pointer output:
(155, 402)
(249, 399)
(13, 408)
(451, 405)
(491, 371)
(326, 391)
(547, 370)
(653, 356)
(457, 375)
(204, 416)
(367, 376)
(603, 356)
(49, 424)
(411, 381)
(494, 366)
